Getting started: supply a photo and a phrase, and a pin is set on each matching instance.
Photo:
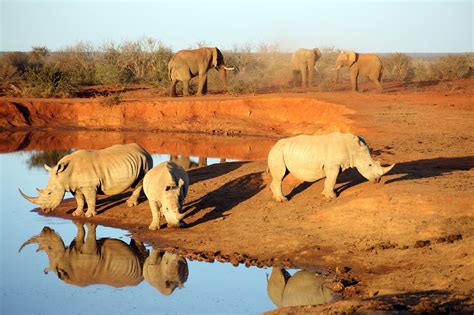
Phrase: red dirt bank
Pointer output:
(407, 241)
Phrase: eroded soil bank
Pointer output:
(403, 244)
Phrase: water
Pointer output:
(208, 288)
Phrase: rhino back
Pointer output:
(115, 264)
(306, 156)
(164, 174)
(112, 170)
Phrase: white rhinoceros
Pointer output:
(87, 261)
(310, 158)
(86, 173)
(166, 186)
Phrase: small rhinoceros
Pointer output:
(86, 173)
(310, 158)
(166, 186)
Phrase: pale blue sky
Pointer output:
(364, 26)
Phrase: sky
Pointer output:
(363, 26)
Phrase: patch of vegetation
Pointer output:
(452, 67)
(112, 100)
(47, 81)
(398, 67)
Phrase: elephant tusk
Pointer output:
(34, 200)
(229, 68)
(387, 169)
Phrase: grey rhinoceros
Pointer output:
(86, 173)
(166, 186)
(312, 157)
(105, 261)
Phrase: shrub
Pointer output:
(112, 99)
(39, 158)
(79, 62)
(47, 81)
(398, 67)
(452, 67)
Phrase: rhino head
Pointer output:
(370, 169)
(49, 241)
(51, 196)
(172, 203)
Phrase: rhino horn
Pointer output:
(34, 200)
(32, 240)
(387, 169)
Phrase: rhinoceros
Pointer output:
(86, 173)
(165, 271)
(166, 186)
(312, 157)
(105, 261)
(302, 288)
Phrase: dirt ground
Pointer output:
(406, 243)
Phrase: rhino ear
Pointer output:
(180, 183)
(361, 141)
(46, 167)
(61, 168)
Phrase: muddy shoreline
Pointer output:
(418, 221)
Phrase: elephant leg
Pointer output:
(204, 88)
(133, 200)
(304, 77)
(173, 88)
(354, 76)
(310, 74)
(156, 214)
(377, 83)
(296, 76)
(186, 87)
(90, 246)
(202, 83)
(331, 176)
(91, 196)
(80, 204)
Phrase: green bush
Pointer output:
(47, 81)
(79, 62)
(452, 67)
(398, 67)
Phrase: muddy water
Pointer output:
(159, 283)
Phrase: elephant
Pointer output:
(303, 61)
(312, 157)
(165, 271)
(166, 186)
(105, 261)
(87, 173)
(302, 288)
(187, 64)
(368, 65)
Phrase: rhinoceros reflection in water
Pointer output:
(109, 261)
(185, 161)
(165, 271)
(302, 288)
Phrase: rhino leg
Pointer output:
(277, 168)
(133, 200)
(80, 235)
(91, 196)
(331, 173)
(155, 212)
(80, 204)
(90, 246)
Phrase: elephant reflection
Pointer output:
(302, 288)
(165, 271)
(185, 162)
(109, 261)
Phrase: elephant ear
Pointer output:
(214, 56)
(352, 57)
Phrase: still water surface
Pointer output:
(25, 289)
